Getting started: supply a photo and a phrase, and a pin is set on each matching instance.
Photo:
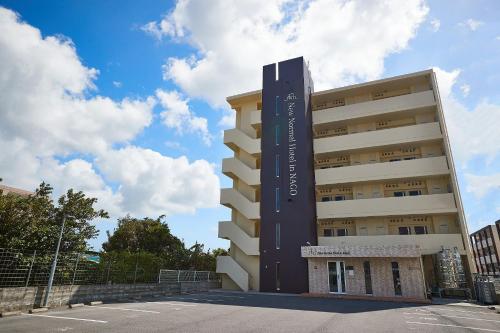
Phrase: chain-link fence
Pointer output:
(32, 268)
(167, 275)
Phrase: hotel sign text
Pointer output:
(291, 104)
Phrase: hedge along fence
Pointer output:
(23, 269)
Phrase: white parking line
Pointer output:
(123, 309)
(171, 303)
(69, 318)
(197, 299)
(463, 311)
(227, 296)
(457, 326)
(449, 316)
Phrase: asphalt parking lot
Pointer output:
(240, 312)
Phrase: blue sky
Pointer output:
(125, 99)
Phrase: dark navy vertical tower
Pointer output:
(288, 205)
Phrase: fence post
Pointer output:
(31, 267)
(178, 276)
(107, 275)
(136, 264)
(76, 268)
(194, 276)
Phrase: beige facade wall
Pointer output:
(410, 270)
(243, 198)
(372, 139)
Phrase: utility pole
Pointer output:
(54, 264)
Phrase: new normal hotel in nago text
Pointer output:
(345, 191)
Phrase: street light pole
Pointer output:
(54, 264)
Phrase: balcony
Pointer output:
(231, 198)
(256, 118)
(234, 168)
(422, 167)
(379, 138)
(429, 244)
(237, 139)
(390, 206)
(227, 265)
(231, 231)
(408, 102)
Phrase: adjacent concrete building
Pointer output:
(8, 189)
(350, 190)
(486, 248)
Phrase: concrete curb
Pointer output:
(76, 305)
(37, 310)
(95, 303)
(10, 314)
(368, 298)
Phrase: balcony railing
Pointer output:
(412, 205)
(249, 245)
(234, 168)
(423, 167)
(408, 102)
(380, 138)
(230, 197)
(237, 139)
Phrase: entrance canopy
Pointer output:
(393, 251)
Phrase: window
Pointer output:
(324, 199)
(380, 230)
(414, 192)
(277, 105)
(404, 230)
(339, 197)
(396, 278)
(341, 232)
(394, 159)
(399, 194)
(277, 135)
(277, 275)
(277, 193)
(278, 240)
(420, 230)
(410, 158)
(368, 278)
(327, 232)
(443, 228)
(277, 166)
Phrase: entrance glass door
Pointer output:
(336, 276)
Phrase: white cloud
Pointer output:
(345, 41)
(175, 145)
(153, 184)
(435, 25)
(482, 185)
(472, 24)
(47, 111)
(465, 88)
(177, 115)
(497, 38)
(473, 132)
(157, 30)
(43, 88)
(228, 120)
(117, 84)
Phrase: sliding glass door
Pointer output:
(336, 277)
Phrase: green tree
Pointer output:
(33, 222)
(148, 235)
